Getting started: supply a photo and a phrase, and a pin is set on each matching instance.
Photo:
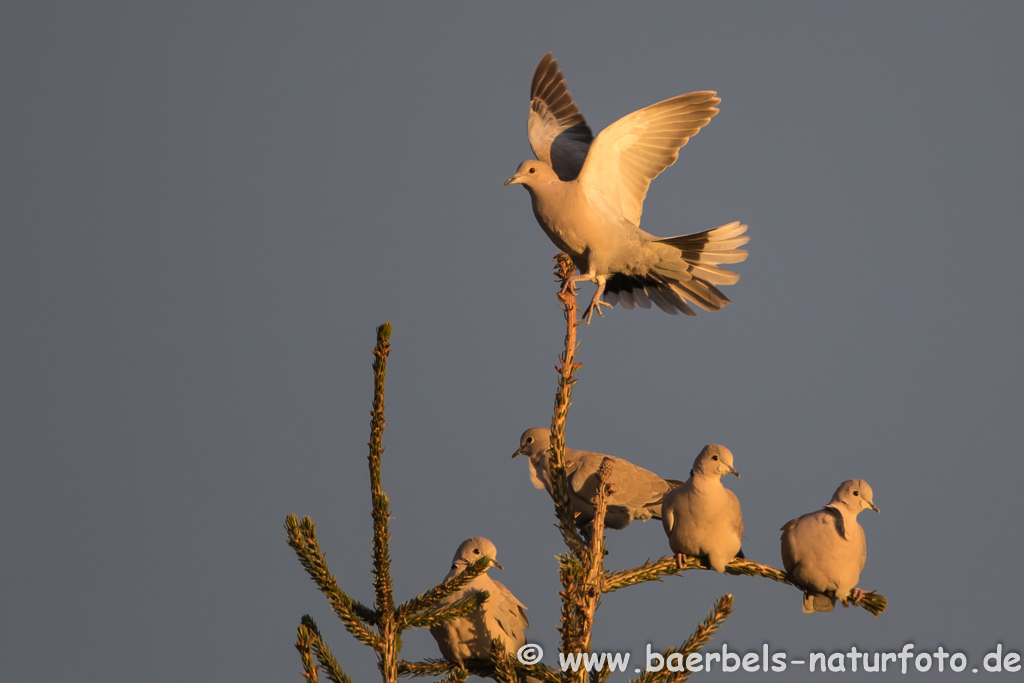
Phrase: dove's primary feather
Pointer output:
(558, 134)
(824, 551)
(702, 518)
(588, 197)
(636, 492)
(501, 616)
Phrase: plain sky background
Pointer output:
(209, 207)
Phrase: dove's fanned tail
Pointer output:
(687, 272)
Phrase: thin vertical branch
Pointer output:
(388, 652)
(563, 400)
(594, 582)
(583, 581)
(380, 512)
(581, 570)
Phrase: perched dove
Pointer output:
(703, 518)
(501, 616)
(588, 194)
(636, 493)
(824, 551)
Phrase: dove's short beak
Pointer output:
(513, 180)
(520, 450)
(874, 507)
(733, 470)
(494, 563)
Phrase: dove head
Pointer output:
(533, 174)
(714, 460)
(855, 494)
(472, 550)
(533, 442)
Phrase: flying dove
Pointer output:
(636, 493)
(702, 518)
(588, 194)
(501, 616)
(824, 551)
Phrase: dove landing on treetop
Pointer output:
(588, 194)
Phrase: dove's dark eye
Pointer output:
(714, 457)
(856, 493)
(476, 551)
(453, 566)
(533, 170)
(529, 440)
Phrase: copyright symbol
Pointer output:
(530, 654)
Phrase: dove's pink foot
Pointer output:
(855, 595)
(680, 560)
(567, 284)
(596, 303)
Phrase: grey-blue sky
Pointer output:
(209, 208)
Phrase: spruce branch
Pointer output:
(442, 667)
(508, 668)
(571, 574)
(583, 578)
(381, 512)
(355, 616)
(666, 566)
(700, 637)
(304, 644)
(426, 600)
(390, 635)
(594, 584)
(452, 673)
(594, 580)
(456, 675)
(504, 663)
(440, 614)
(563, 400)
(428, 667)
(323, 653)
(542, 672)
(478, 667)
